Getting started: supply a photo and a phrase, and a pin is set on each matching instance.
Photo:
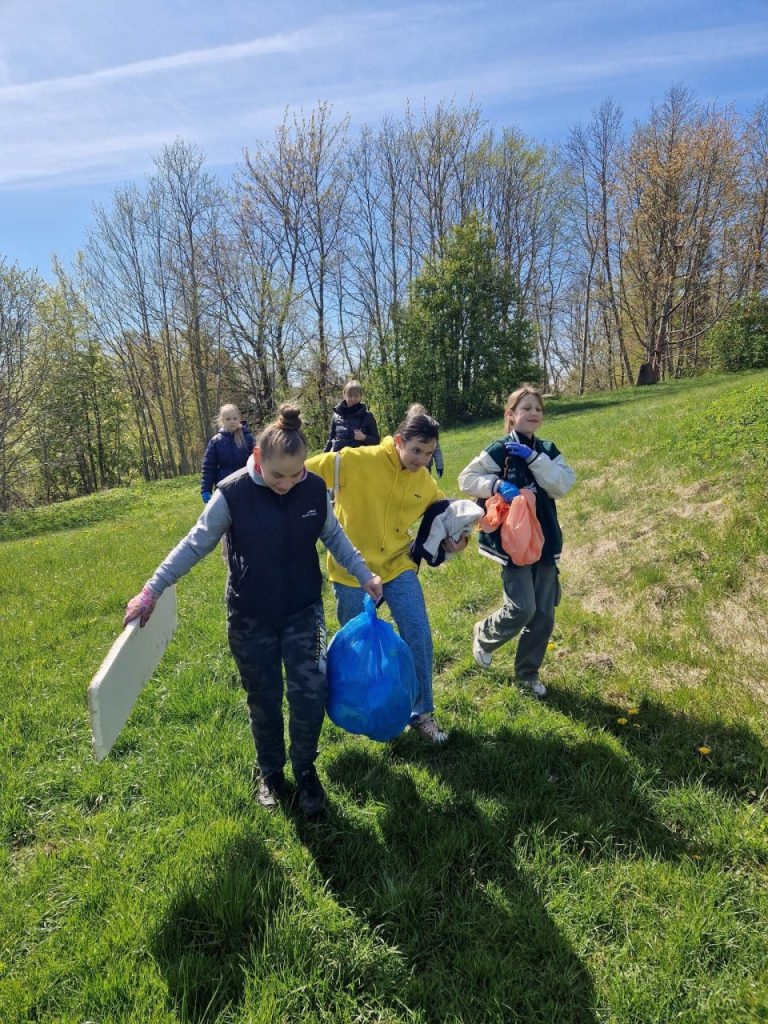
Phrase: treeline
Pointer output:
(436, 257)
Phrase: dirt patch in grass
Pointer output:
(675, 675)
(740, 623)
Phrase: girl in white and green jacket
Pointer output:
(531, 592)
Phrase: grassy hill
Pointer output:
(600, 857)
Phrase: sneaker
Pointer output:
(270, 790)
(426, 726)
(483, 658)
(310, 792)
(534, 686)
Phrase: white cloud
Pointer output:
(105, 124)
(290, 42)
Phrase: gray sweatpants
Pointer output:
(531, 594)
(260, 650)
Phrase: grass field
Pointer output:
(600, 857)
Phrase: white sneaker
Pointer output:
(534, 686)
(426, 726)
(483, 658)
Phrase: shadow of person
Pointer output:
(676, 746)
(440, 869)
(582, 791)
(225, 908)
(244, 937)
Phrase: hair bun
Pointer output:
(289, 417)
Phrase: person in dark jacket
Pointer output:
(273, 512)
(227, 451)
(352, 425)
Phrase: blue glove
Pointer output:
(439, 473)
(507, 490)
(206, 496)
(522, 451)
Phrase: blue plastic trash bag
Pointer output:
(371, 677)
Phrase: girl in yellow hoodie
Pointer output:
(381, 491)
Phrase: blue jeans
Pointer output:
(405, 598)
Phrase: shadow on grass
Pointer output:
(669, 742)
(211, 925)
(446, 876)
(244, 936)
(444, 862)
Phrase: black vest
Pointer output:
(274, 569)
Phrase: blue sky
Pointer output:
(91, 89)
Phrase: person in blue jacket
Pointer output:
(273, 512)
(227, 451)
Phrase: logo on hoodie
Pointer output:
(310, 512)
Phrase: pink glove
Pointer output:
(142, 605)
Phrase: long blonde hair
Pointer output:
(238, 434)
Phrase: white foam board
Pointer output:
(125, 671)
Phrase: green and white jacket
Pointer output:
(546, 472)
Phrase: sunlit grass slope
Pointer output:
(597, 858)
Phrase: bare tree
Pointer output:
(754, 277)
(594, 160)
(680, 184)
(256, 308)
(22, 366)
(117, 284)
(443, 156)
(191, 202)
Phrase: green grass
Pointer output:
(574, 861)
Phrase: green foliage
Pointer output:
(731, 429)
(462, 344)
(21, 348)
(740, 341)
(385, 395)
(80, 438)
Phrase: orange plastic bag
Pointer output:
(521, 535)
(495, 513)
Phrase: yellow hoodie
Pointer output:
(377, 502)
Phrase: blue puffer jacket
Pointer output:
(223, 456)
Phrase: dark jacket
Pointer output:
(223, 456)
(518, 472)
(417, 551)
(274, 569)
(346, 420)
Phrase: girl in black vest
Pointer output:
(273, 512)
(531, 592)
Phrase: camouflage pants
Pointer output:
(260, 650)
